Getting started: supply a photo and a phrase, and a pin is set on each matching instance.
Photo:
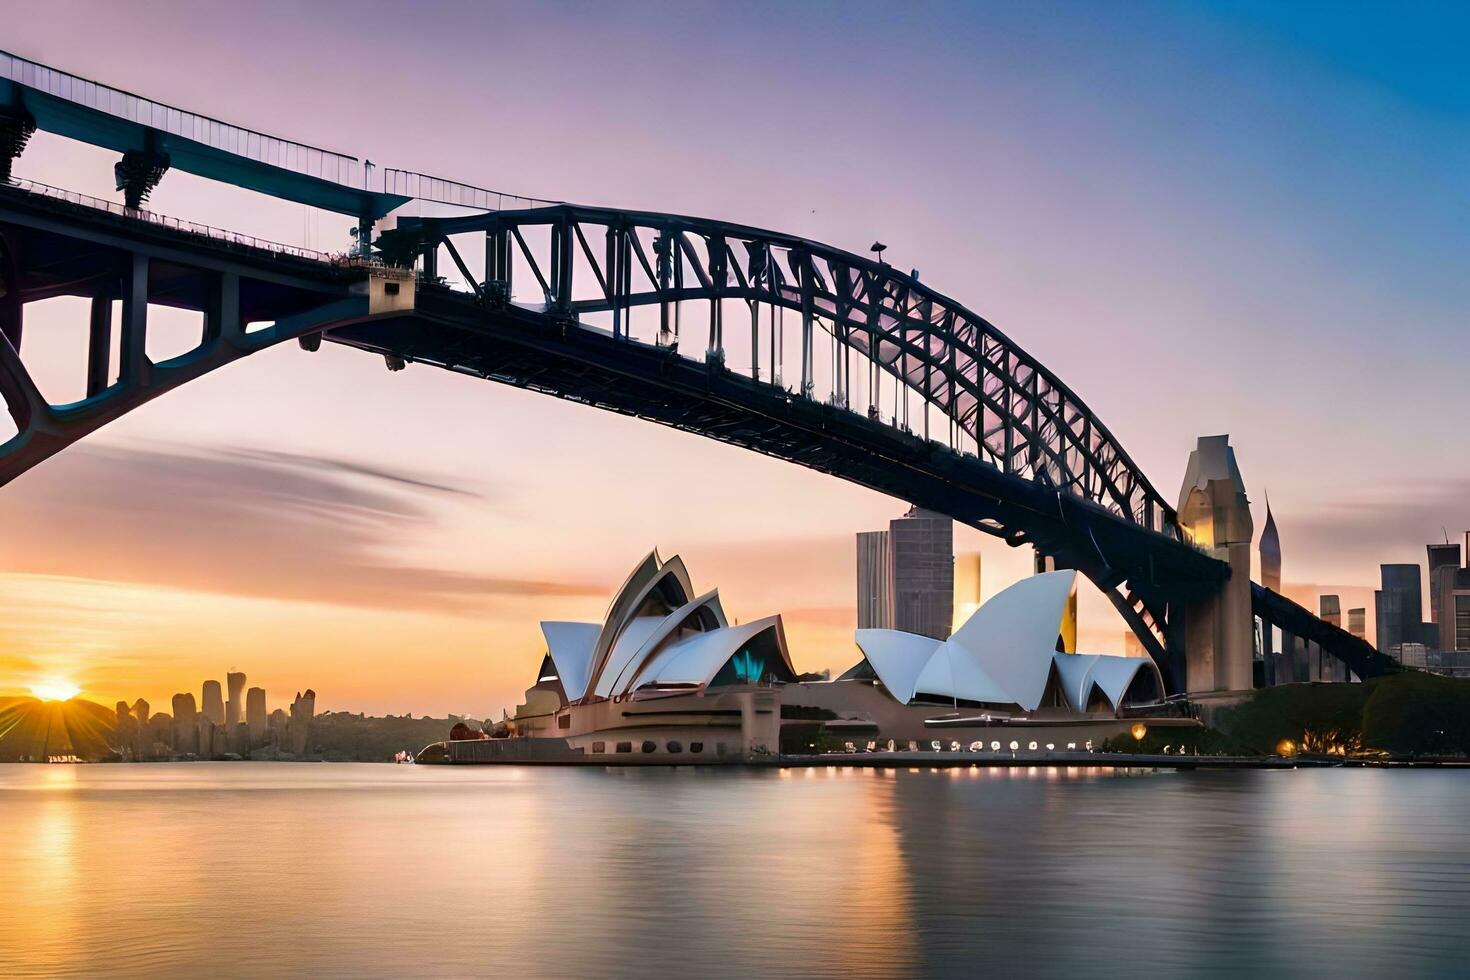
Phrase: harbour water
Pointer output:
(241, 869)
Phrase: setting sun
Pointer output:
(55, 689)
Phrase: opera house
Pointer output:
(666, 678)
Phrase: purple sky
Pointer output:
(1236, 218)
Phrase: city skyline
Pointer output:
(358, 530)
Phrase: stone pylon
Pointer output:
(1215, 516)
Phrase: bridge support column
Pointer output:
(16, 128)
(99, 344)
(1219, 630)
(139, 171)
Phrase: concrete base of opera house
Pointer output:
(858, 722)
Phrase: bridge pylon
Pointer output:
(1214, 515)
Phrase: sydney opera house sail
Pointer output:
(656, 638)
(1018, 651)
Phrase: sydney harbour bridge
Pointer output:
(830, 359)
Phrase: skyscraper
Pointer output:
(212, 704)
(1444, 561)
(186, 728)
(1399, 606)
(921, 549)
(874, 581)
(255, 715)
(1270, 548)
(906, 575)
(1358, 622)
(234, 707)
(1330, 609)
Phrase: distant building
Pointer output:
(1330, 609)
(303, 710)
(1270, 549)
(212, 705)
(255, 715)
(874, 581)
(921, 546)
(1444, 561)
(186, 732)
(1410, 654)
(1358, 622)
(1399, 607)
(234, 707)
(966, 586)
(906, 575)
(1449, 598)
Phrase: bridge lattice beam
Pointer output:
(1018, 414)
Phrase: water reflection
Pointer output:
(272, 870)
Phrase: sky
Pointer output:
(1214, 217)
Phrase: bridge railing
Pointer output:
(176, 224)
(312, 161)
(440, 190)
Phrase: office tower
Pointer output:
(1444, 561)
(186, 732)
(1330, 609)
(906, 575)
(207, 730)
(161, 730)
(1270, 549)
(277, 727)
(1452, 589)
(921, 549)
(1358, 622)
(140, 711)
(1449, 598)
(303, 710)
(212, 705)
(235, 682)
(874, 582)
(966, 586)
(255, 715)
(1400, 606)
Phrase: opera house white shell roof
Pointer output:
(1007, 654)
(657, 634)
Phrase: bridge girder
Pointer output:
(44, 253)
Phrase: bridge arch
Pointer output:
(1018, 415)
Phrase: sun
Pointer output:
(55, 689)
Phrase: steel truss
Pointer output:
(52, 248)
(1001, 403)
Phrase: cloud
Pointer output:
(1378, 524)
(249, 522)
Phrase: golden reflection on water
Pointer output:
(292, 870)
(46, 868)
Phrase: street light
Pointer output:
(877, 248)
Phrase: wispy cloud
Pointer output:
(247, 522)
(1379, 524)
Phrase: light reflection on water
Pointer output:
(331, 870)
